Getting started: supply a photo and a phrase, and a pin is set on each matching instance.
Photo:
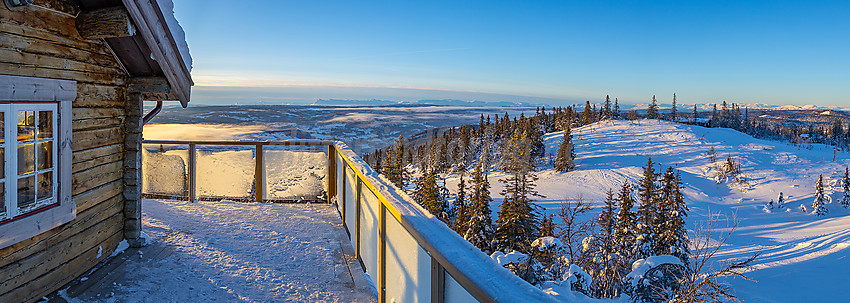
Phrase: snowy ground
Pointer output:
(804, 257)
(229, 252)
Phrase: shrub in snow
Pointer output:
(579, 280)
(781, 202)
(655, 279)
(803, 208)
(522, 265)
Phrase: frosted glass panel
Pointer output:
(225, 173)
(408, 266)
(164, 171)
(340, 185)
(296, 174)
(350, 203)
(455, 292)
(369, 231)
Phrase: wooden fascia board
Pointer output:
(153, 29)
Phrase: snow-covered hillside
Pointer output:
(803, 256)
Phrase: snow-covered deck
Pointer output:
(231, 251)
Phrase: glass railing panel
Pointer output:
(165, 170)
(225, 172)
(408, 266)
(350, 202)
(296, 173)
(369, 223)
(455, 292)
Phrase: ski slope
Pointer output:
(803, 256)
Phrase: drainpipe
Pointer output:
(153, 112)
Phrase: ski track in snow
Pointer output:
(800, 252)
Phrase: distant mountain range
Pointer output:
(444, 102)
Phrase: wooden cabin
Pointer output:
(73, 75)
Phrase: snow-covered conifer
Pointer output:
(461, 208)
(819, 206)
(647, 212)
(845, 201)
(566, 154)
(652, 111)
(479, 229)
(626, 224)
(673, 111)
(781, 202)
(517, 224)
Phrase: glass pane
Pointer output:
(45, 124)
(26, 158)
(26, 126)
(26, 191)
(45, 185)
(2, 127)
(45, 155)
(2, 165)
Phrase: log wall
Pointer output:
(40, 43)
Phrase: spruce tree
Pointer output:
(564, 160)
(652, 111)
(673, 111)
(461, 208)
(479, 230)
(517, 225)
(606, 111)
(781, 202)
(819, 205)
(616, 108)
(845, 201)
(587, 116)
(696, 114)
(647, 212)
(430, 195)
(547, 226)
(673, 238)
(626, 224)
(608, 270)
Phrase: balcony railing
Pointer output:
(410, 255)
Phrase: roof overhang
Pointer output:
(152, 51)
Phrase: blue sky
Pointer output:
(774, 52)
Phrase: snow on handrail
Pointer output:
(474, 270)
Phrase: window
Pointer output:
(28, 143)
(35, 149)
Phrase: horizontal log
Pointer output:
(19, 273)
(96, 55)
(97, 176)
(88, 139)
(24, 58)
(150, 85)
(94, 197)
(99, 96)
(15, 69)
(89, 158)
(64, 274)
(37, 18)
(89, 124)
(110, 22)
(82, 113)
(85, 219)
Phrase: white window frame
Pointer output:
(30, 93)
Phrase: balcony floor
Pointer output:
(229, 251)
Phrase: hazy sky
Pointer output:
(774, 52)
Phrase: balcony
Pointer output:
(405, 253)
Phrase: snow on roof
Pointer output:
(167, 8)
